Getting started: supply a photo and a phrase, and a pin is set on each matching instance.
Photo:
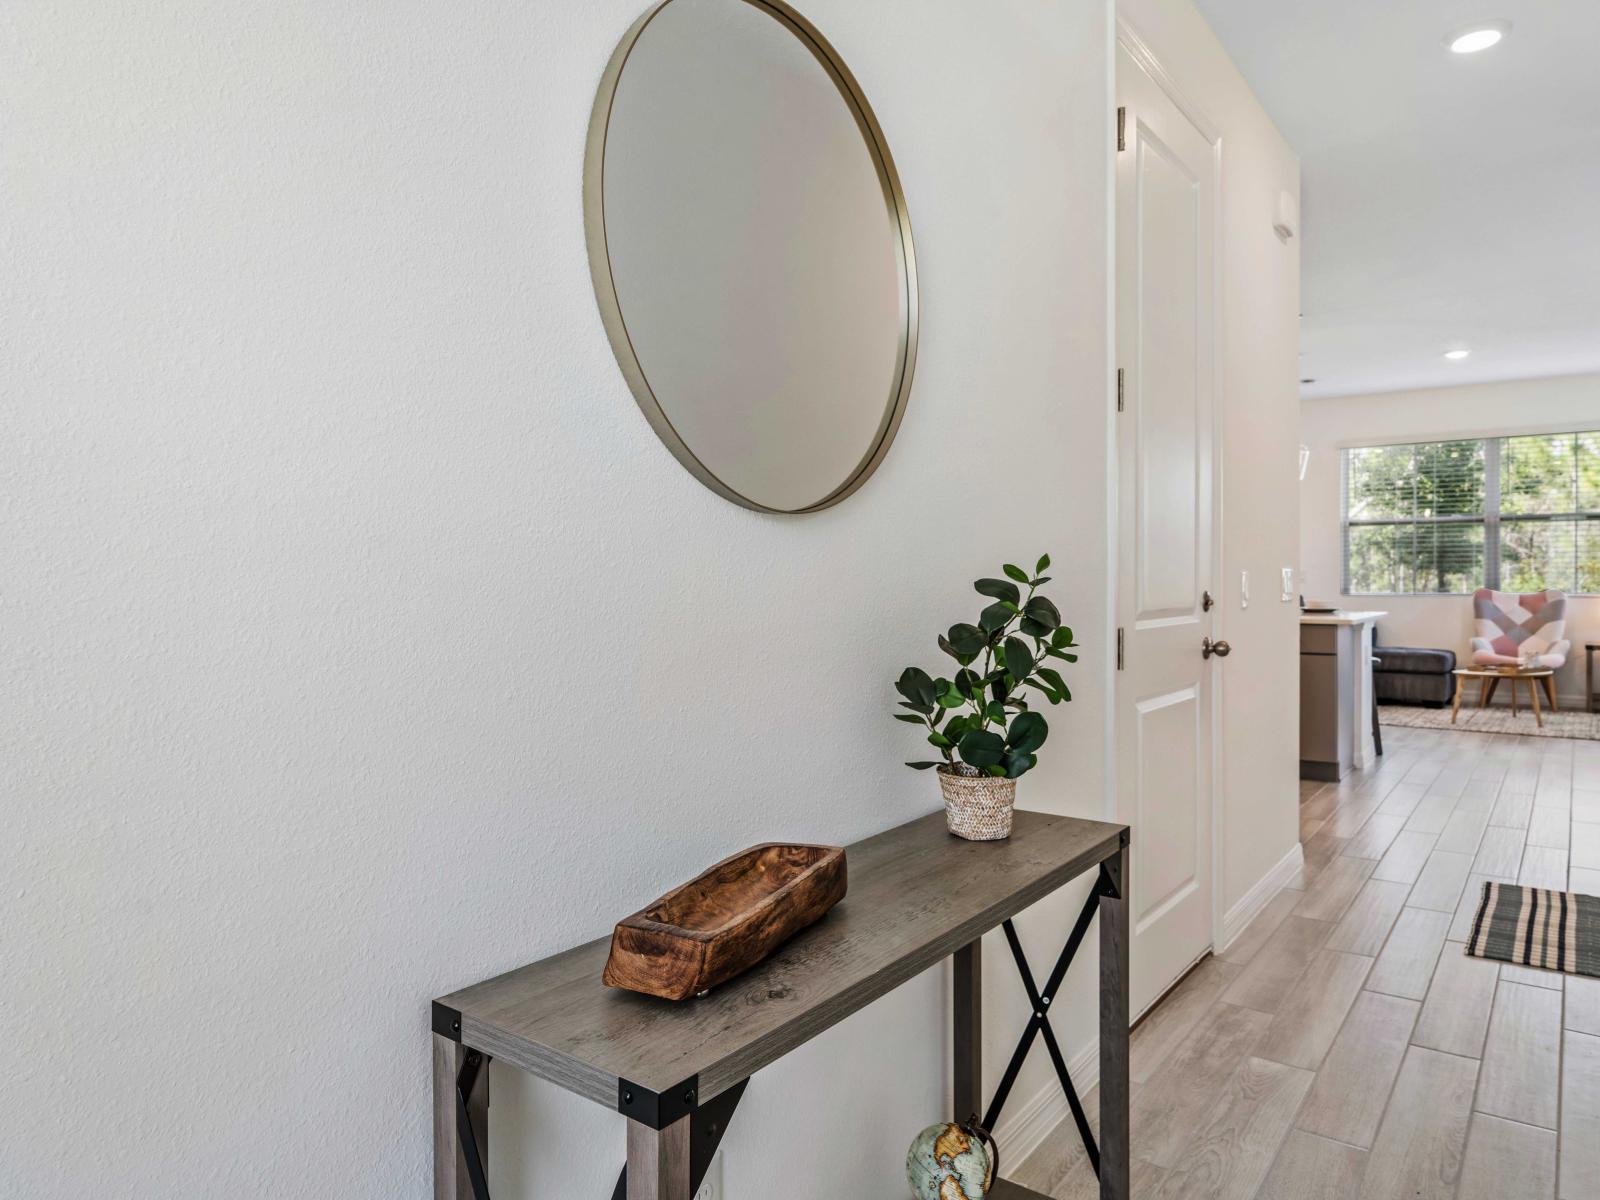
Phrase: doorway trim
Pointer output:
(1139, 50)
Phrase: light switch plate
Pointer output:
(1244, 589)
(1288, 585)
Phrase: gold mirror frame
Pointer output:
(605, 287)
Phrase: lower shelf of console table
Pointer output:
(677, 1071)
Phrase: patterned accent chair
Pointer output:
(1512, 628)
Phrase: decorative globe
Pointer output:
(946, 1162)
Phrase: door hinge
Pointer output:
(1119, 389)
(1120, 659)
(1122, 129)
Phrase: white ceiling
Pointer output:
(1447, 198)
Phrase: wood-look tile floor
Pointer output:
(1344, 1047)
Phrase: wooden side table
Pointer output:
(676, 1071)
(1588, 674)
(1489, 679)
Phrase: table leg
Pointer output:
(968, 1012)
(452, 1179)
(1114, 1106)
(1588, 679)
(1550, 693)
(1533, 696)
(1484, 690)
(658, 1161)
(1515, 711)
(1456, 707)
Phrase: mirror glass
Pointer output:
(751, 251)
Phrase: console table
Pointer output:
(676, 1071)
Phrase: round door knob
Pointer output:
(1220, 648)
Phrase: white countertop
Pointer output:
(1342, 617)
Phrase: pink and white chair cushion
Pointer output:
(1515, 630)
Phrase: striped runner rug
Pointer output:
(1537, 927)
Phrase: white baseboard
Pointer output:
(1253, 901)
(1024, 1129)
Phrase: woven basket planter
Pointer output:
(977, 807)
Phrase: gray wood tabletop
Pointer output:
(916, 895)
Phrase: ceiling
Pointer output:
(1447, 200)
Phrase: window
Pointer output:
(1517, 513)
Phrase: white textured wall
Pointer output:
(1259, 333)
(361, 640)
(1566, 403)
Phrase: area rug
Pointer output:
(1536, 927)
(1582, 725)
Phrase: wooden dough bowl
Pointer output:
(726, 920)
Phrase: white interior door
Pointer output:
(1166, 262)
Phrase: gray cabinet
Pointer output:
(1327, 701)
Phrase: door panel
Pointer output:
(1166, 286)
(1168, 227)
(1168, 757)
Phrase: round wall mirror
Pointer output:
(751, 251)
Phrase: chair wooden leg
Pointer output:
(1550, 693)
(1515, 711)
(1533, 697)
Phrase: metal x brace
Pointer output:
(1039, 1023)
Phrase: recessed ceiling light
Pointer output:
(1456, 355)
(1478, 37)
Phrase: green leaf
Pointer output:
(1017, 573)
(1040, 617)
(996, 770)
(939, 739)
(1053, 677)
(1043, 565)
(1018, 764)
(1019, 659)
(968, 640)
(1062, 655)
(981, 748)
(1061, 639)
(1041, 581)
(995, 711)
(968, 683)
(956, 727)
(1050, 693)
(924, 709)
(915, 685)
(995, 617)
(923, 766)
(909, 719)
(1027, 733)
(999, 589)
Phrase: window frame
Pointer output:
(1491, 519)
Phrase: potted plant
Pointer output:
(980, 718)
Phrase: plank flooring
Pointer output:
(1344, 1047)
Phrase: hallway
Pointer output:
(1344, 1046)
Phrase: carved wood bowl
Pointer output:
(725, 920)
